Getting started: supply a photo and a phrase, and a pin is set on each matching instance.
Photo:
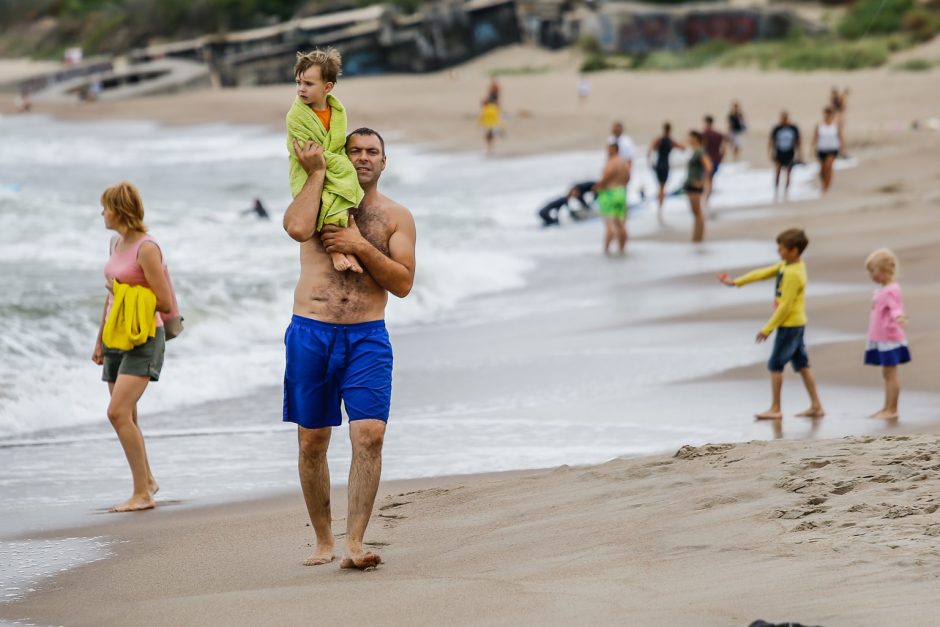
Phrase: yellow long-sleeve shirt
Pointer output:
(790, 295)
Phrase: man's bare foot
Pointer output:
(340, 262)
(812, 412)
(134, 504)
(320, 556)
(885, 414)
(363, 561)
(770, 414)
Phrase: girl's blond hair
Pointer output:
(124, 201)
(884, 260)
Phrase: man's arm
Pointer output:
(300, 219)
(395, 273)
(606, 177)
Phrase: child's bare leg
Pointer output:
(892, 393)
(776, 384)
(815, 408)
(343, 262)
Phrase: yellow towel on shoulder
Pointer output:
(341, 191)
(132, 319)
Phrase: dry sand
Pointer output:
(833, 532)
(830, 532)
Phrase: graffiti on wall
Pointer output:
(648, 32)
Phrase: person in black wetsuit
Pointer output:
(258, 209)
(661, 147)
(578, 192)
(785, 150)
(736, 128)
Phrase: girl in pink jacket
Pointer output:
(887, 344)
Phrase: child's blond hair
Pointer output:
(124, 201)
(885, 260)
(329, 61)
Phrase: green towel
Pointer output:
(341, 190)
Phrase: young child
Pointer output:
(887, 344)
(789, 320)
(318, 116)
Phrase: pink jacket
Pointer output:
(886, 306)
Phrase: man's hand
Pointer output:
(336, 239)
(310, 156)
(760, 337)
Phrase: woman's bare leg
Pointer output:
(124, 396)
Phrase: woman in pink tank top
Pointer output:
(135, 259)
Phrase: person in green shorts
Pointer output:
(611, 191)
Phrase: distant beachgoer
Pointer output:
(552, 210)
(584, 90)
(699, 168)
(317, 115)
(258, 209)
(788, 320)
(23, 102)
(131, 361)
(662, 146)
(625, 145)
(611, 194)
(715, 144)
(736, 128)
(785, 147)
(492, 121)
(492, 93)
(887, 342)
(838, 102)
(338, 350)
(828, 141)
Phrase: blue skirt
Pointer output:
(887, 353)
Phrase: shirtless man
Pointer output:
(337, 345)
(611, 193)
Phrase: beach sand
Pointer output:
(829, 531)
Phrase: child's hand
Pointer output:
(901, 320)
(724, 278)
(760, 337)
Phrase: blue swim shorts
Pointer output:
(788, 348)
(329, 364)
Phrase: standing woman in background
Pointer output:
(699, 169)
(136, 260)
(828, 140)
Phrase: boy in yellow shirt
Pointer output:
(788, 319)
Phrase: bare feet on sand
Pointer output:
(812, 412)
(154, 487)
(134, 504)
(342, 263)
(361, 561)
(320, 556)
(770, 414)
(885, 414)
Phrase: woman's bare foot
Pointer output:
(320, 556)
(885, 414)
(361, 561)
(154, 487)
(135, 504)
(812, 412)
(770, 414)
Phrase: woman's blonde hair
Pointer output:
(884, 260)
(124, 201)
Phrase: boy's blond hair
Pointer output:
(329, 61)
(885, 260)
(124, 201)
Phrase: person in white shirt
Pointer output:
(624, 143)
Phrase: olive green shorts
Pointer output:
(145, 360)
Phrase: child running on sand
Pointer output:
(789, 320)
(318, 116)
(887, 344)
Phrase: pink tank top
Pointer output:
(124, 267)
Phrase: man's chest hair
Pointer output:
(375, 225)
